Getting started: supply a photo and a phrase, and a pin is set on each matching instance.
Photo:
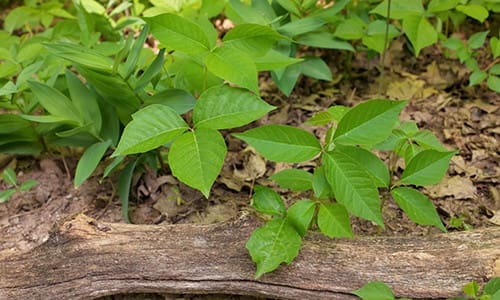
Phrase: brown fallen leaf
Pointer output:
(457, 186)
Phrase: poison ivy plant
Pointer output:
(347, 178)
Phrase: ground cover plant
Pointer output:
(79, 76)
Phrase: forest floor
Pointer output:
(464, 118)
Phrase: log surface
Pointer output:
(84, 259)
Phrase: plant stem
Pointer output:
(386, 42)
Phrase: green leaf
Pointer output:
(368, 162)
(477, 39)
(124, 183)
(266, 201)
(495, 46)
(300, 215)
(153, 70)
(291, 6)
(274, 60)
(242, 13)
(316, 68)
(492, 287)
(81, 56)
(352, 186)
(287, 78)
(84, 101)
(6, 194)
(428, 140)
(9, 176)
(55, 102)
(368, 123)
(417, 206)
(333, 220)
(375, 35)
(179, 100)
(477, 77)
(192, 75)
(301, 26)
(151, 127)
(196, 158)
(282, 143)
(400, 9)
(234, 66)
(375, 290)
(112, 166)
(420, 32)
(89, 161)
(323, 40)
(270, 245)
(441, 5)
(495, 69)
(28, 185)
(178, 33)
(471, 289)
(133, 55)
(350, 29)
(223, 107)
(494, 83)
(474, 11)
(294, 179)
(252, 39)
(334, 113)
(321, 187)
(427, 167)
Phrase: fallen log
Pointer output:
(84, 259)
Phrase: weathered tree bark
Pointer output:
(84, 259)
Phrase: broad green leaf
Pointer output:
(492, 286)
(110, 129)
(332, 114)
(10, 123)
(417, 206)
(300, 215)
(301, 26)
(477, 39)
(441, 5)
(350, 29)
(375, 290)
(282, 143)
(294, 179)
(333, 220)
(495, 46)
(495, 69)
(89, 161)
(352, 186)
(323, 40)
(124, 183)
(234, 66)
(428, 140)
(192, 75)
(316, 68)
(477, 77)
(81, 56)
(400, 9)
(55, 102)
(274, 60)
(9, 176)
(375, 36)
(49, 119)
(242, 13)
(179, 33)
(291, 6)
(494, 83)
(151, 127)
(84, 101)
(453, 43)
(8, 89)
(28, 185)
(223, 107)
(252, 39)
(474, 11)
(112, 166)
(196, 158)
(427, 167)
(471, 289)
(179, 100)
(266, 201)
(272, 244)
(368, 123)
(6, 194)
(331, 12)
(321, 187)
(287, 78)
(369, 162)
(420, 32)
